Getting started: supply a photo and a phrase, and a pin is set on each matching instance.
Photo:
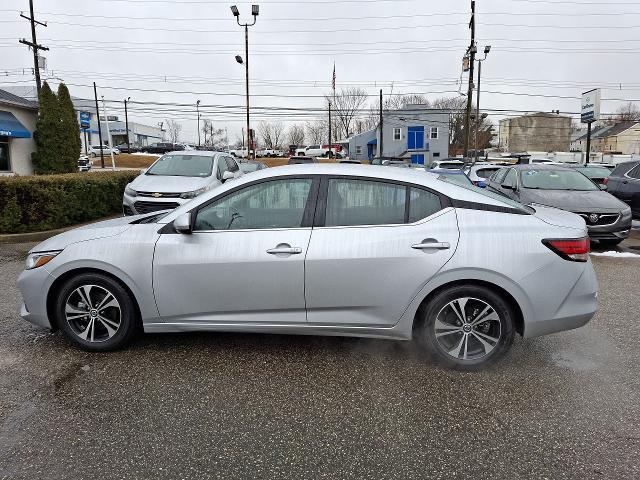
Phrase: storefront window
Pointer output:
(5, 165)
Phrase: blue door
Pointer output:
(415, 138)
(418, 159)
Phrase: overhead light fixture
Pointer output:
(235, 11)
(255, 10)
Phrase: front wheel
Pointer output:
(467, 327)
(96, 313)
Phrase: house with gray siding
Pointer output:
(415, 133)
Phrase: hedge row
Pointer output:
(44, 202)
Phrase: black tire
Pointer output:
(129, 322)
(478, 297)
(611, 242)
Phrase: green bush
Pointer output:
(45, 202)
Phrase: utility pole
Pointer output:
(126, 123)
(160, 124)
(34, 45)
(198, 112)
(381, 128)
(95, 94)
(113, 160)
(487, 49)
(472, 57)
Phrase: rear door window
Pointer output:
(422, 204)
(485, 172)
(635, 173)
(364, 202)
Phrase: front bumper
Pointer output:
(33, 285)
(141, 205)
(619, 229)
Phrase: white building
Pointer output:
(17, 123)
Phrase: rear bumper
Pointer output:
(579, 306)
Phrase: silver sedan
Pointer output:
(325, 250)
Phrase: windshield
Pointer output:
(249, 167)
(458, 179)
(595, 172)
(556, 180)
(182, 166)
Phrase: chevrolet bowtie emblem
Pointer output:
(156, 195)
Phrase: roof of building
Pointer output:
(9, 98)
(608, 131)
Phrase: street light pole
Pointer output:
(255, 10)
(487, 49)
(126, 123)
(198, 112)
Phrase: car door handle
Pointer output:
(431, 246)
(284, 250)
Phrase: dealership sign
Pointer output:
(85, 120)
(590, 111)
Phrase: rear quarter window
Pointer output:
(486, 172)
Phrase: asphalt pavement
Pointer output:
(232, 406)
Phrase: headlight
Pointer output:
(130, 191)
(193, 194)
(626, 212)
(38, 259)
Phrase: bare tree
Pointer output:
(265, 131)
(213, 137)
(627, 113)
(174, 129)
(317, 132)
(277, 134)
(347, 106)
(296, 134)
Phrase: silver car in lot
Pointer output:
(177, 177)
(323, 249)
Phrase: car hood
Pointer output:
(597, 201)
(168, 184)
(106, 228)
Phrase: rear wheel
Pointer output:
(467, 327)
(96, 313)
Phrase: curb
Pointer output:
(40, 236)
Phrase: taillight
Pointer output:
(574, 249)
(475, 183)
(605, 181)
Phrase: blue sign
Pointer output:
(85, 120)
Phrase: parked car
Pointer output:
(596, 173)
(270, 153)
(300, 160)
(312, 151)
(459, 289)
(123, 148)
(94, 150)
(607, 218)
(453, 175)
(480, 172)
(241, 152)
(162, 148)
(175, 178)
(84, 163)
(447, 163)
(624, 183)
(251, 166)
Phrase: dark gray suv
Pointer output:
(607, 218)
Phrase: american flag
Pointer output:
(333, 80)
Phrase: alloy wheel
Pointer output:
(468, 328)
(93, 313)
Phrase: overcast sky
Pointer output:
(546, 52)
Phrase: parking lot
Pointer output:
(269, 406)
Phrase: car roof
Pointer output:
(538, 166)
(446, 171)
(199, 153)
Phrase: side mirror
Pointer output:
(227, 175)
(507, 186)
(182, 223)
